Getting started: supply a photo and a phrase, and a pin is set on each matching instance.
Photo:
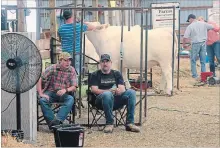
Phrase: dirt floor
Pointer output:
(189, 118)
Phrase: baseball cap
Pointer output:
(67, 14)
(64, 55)
(191, 16)
(105, 57)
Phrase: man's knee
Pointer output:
(107, 94)
(131, 95)
(43, 101)
(70, 100)
(131, 91)
(107, 97)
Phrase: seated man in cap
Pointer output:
(197, 32)
(109, 89)
(66, 34)
(58, 79)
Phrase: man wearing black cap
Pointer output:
(66, 34)
(108, 86)
(197, 32)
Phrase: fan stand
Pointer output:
(14, 64)
(18, 108)
(21, 67)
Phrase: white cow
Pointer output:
(90, 51)
(108, 40)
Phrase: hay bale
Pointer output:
(9, 141)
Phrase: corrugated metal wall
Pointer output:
(45, 19)
(197, 7)
(191, 4)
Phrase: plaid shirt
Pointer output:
(54, 78)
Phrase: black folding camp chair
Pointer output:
(98, 113)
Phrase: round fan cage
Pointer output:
(21, 63)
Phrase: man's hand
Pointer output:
(44, 96)
(118, 91)
(113, 90)
(61, 92)
(186, 47)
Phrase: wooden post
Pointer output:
(53, 27)
(21, 16)
(110, 13)
(95, 13)
(122, 5)
(53, 22)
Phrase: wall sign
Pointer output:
(164, 17)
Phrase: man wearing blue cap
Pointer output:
(197, 32)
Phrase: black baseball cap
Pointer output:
(105, 57)
(191, 16)
(67, 14)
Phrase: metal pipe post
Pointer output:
(38, 21)
(84, 49)
(74, 38)
(141, 68)
(146, 59)
(178, 62)
(132, 14)
(151, 70)
(174, 8)
(80, 63)
(122, 32)
(129, 19)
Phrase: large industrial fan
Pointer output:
(21, 67)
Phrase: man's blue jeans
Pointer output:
(109, 102)
(66, 107)
(198, 49)
(212, 51)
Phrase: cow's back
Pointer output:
(159, 46)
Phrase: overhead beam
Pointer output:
(110, 13)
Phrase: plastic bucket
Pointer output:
(62, 126)
(71, 137)
(205, 75)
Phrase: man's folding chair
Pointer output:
(98, 113)
(55, 108)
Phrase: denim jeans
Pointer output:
(198, 48)
(109, 103)
(66, 107)
(212, 51)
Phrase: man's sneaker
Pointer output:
(53, 123)
(197, 79)
(108, 129)
(132, 128)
